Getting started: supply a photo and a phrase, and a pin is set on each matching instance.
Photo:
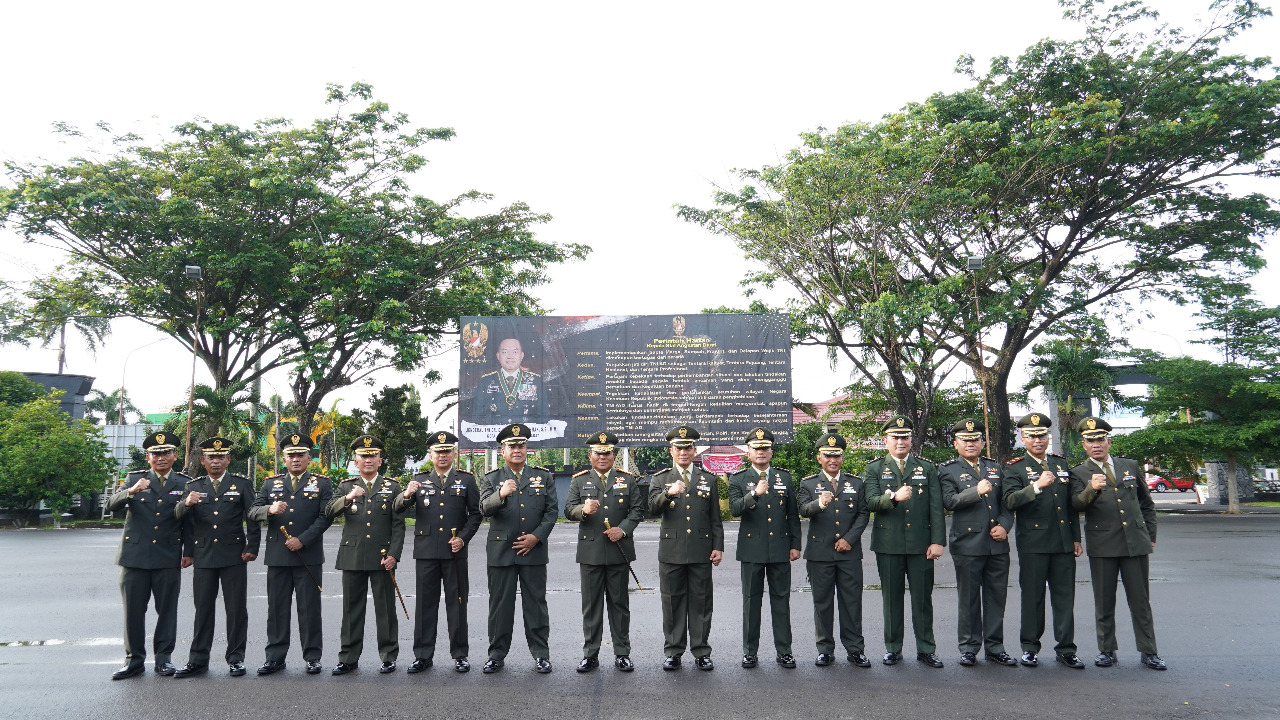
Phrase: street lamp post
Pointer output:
(192, 272)
(975, 264)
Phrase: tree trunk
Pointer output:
(62, 348)
(1233, 487)
(999, 424)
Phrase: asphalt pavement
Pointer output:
(1213, 581)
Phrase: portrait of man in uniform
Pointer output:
(512, 393)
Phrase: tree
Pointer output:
(1240, 327)
(12, 325)
(47, 457)
(59, 301)
(233, 412)
(1068, 372)
(1201, 410)
(314, 254)
(1087, 174)
(114, 408)
(17, 390)
(395, 416)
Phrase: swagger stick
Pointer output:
(457, 570)
(396, 585)
(624, 558)
(288, 537)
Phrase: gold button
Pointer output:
(770, 534)
(215, 527)
(770, 519)
(1123, 523)
(908, 524)
(290, 522)
(153, 542)
(441, 517)
(441, 529)
(688, 518)
(688, 531)
(215, 512)
(837, 511)
(156, 527)
(368, 524)
(368, 536)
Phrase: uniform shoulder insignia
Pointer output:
(624, 472)
(465, 472)
(181, 475)
(952, 461)
(494, 472)
(274, 477)
(495, 372)
(1060, 457)
(809, 477)
(1014, 461)
(322, 477)
(539, 467)
(193, 480)
(582, 472)
(238, 476)
(786, 473)
(739, 472)
(531, 374)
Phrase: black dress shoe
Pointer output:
(1029, 659)
(787, 661)
(823, 660)
(127, 671)
(387, 667)
(704, 663)
(892, 658)
(1002, 658)
(750, 661)
(492, 665)
(968, 658)
(271, 666)
(1153, 661)
(588, 664)
(314, 667)
(929, 659)
(1071, 660)
(623, 663)
(461, 665)
(418, 665)
(165, 669)
(236, 669)
(671, 663)
(341, 669)
(190, 669)
(860, 659)
(542, 665)
(1105, 659)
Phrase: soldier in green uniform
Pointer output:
(608, 505)
(1120, 537)
(687, 499)
(836, 505)
(292, 504)
(151, 555)
(907, 535)
(520, 502)
(509, 394)
(980, 525)
(372, 540)
(446, 503)
(215, 515)
(1037, 488)
(768, 542)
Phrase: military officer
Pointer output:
(1120, 537)
(292, 504)
(520, 502)
(151, 555)
(688, 500)
(980, 525)
(836, 505)
(510, 393)
(372, 540)
(768, 542)
(1037, 488)
(446, 503)
(608, 505)
(215, 513)
(908, 534)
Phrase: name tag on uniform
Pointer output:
(384, 491)
(1064, 476)
(204, 495)
(178, 492)
(232, 493)
(311, 487)
(848, 490)
(429, 489)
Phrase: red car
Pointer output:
(1160, 484)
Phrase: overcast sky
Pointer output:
(604, 115)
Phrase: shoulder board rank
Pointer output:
(1014, 461)
(322, 477)
(1060, 457)
(495, 372)
(539, 467)
(237, 476)
(193, 480)
(531, 374)
(624, 472)
(810, 477)
(581, 473)
(952, 461)
(460, 471)
(179, 474)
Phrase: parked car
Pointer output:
(1162, 484)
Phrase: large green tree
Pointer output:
(47, 457)
(1071, 372)
(395, 417)
(114, 408)
(1088, 174)
(1204, 410)
(315, 255)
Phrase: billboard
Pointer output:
(568, 377)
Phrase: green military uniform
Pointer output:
(767, 533)
(602, 563)
(221, 533)
(691, 530)
(372, 530)
(1047, 529)
(443, 506)
(291, 573)
(900, 535)
(1120, 535)
(531, 509)
(509, 398)
(835, 576)
(981, 562)
(150, 557)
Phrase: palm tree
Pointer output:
(233, 412)
(110, 406)
(60, 302)
(1068, 371)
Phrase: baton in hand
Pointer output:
(287, 537)
(396, 585)
(624, 558)
(457, 569)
